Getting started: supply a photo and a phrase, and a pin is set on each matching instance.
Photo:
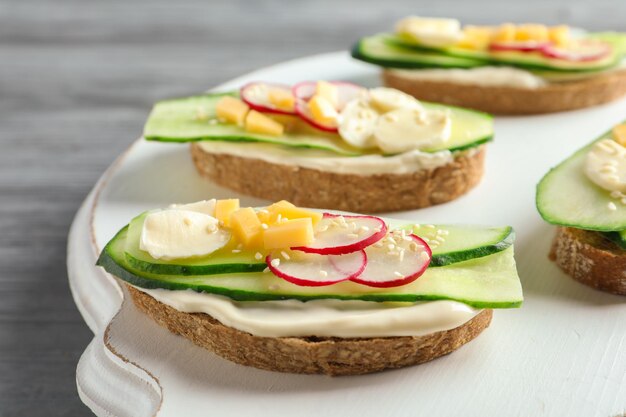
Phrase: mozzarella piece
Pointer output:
(388, 99)
(176, 234)
(357, 122)
(406, 129)
(606, 165)
(435, 32)
(204, 206)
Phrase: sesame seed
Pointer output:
(413, 246)
(353, 235)
(364, 229)
(275, 262)
(391, 246)
(424, 255)
(378, 244)
(425, 239)
(187, 221)
(266, 270)
(440, 238)
(236, 250)
(401, 255)
(612, 206)
(264, 211)
(429, 226)
(211, 228)
(392, 240)
(323, 228)
(264, 226)
(285, 255)
(392, 253)
(258, 256)
(323, 273)
(399, 275)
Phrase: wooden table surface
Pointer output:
(77, 79)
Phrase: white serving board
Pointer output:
(562, 353)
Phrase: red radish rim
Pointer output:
(306, 283)
(262, 108)
(301, 108)
(405, 280)
(352, 247)
(297, 88)
(554, 52)
(519, 46)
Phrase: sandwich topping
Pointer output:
(283, 270)
(439, 47)
(303, 247)
(382, 119)
(605, 165)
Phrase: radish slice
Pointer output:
(392, 266)
(580, 51)
(337, 235)
(256, 95)
(302, 109)
(519, 46)
(313, 270)
(346, 91)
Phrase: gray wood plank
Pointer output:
(77, 79)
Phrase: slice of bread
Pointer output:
(590, 258)
(309, 355)
(554, 97)
(314, 188)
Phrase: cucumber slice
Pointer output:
(377, 50)
(566, 197)
(175, 121)
(389, 50)
(461, 243)
(487, 282)
(617, 237)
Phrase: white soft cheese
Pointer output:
(406, 129)
(606, 165)
(435, 32)
(481, 76)
(204, 206)
(404, 163)
(329, 318)
(176, 234)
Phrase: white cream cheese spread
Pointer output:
(481, 76)
(407, 162)
(324, 318)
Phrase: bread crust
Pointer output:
(551, 98)
(350, 192)
(590, 258)
(309, 355)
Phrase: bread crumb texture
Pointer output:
(350, 192)
(553, 97)
(309, 355)
(590, 258)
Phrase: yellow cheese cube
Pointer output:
(476, 37)
(259, 123)
(323, 110)
(224, 209)
(619, 134)
(285, 210)
(232, 110)
(560, 35)
(281, 98)
(531, 32)
(297, 232)
(328, 91)
(504, 33)
(247, 226)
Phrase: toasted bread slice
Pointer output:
(309, 355)
(551, 98)
(590, 258)
(377, 193)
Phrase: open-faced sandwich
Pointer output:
(332, 145)
(289, 289)
(506, 69)
(586, 197)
